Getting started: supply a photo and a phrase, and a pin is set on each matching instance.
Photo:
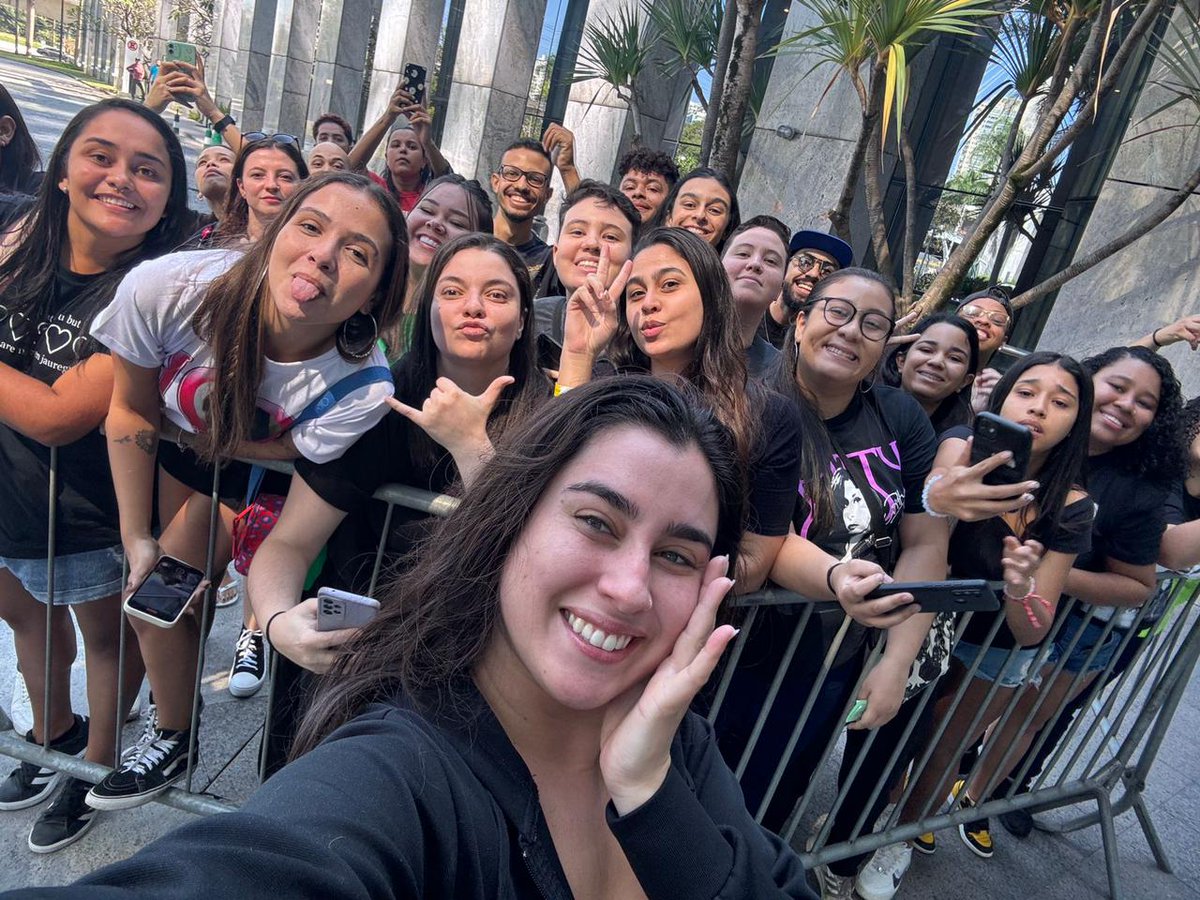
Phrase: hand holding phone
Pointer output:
(994, 434)
(414, 82)
(164, 594)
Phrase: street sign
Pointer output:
(132, 46)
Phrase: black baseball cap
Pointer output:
(825, 243)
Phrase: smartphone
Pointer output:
(342, 609)
(965, 595)
(166, 592)
(414, 82)
(856, 711)
(1004, 357)
(181, 51)
(993, 435)
(549, 353)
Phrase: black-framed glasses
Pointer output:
(512, 175)
(806, 261)
(279, 137)
(971, 311)
(875, 326)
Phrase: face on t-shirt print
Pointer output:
(880, 471)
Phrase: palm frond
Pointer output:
(688, 30)
(615, 49)
(1180, 61)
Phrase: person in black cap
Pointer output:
(813, 255)
(991, 313)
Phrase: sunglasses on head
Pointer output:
(278, 137)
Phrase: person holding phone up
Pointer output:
(1030, 548)
(269, 355)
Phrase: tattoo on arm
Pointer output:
(146, 440)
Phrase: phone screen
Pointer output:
(167, 589)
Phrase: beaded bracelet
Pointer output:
(930, 482)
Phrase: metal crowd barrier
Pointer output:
(1112, 742)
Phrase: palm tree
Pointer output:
(616, 50)
(687, 30)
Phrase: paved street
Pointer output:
(1041, 867)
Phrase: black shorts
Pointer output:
(182, 464)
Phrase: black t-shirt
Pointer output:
(887, 437)
(760, 357)
(381, 456)
(87, 504)
(1181, 507)
(774, 470)
(771, 331)
(1130, 516)
(536, 254)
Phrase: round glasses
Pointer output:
(971, 311)
(512, 175)
(874, 326)
(805, 262)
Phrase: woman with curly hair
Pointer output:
(1180, 548)
(1135, 458)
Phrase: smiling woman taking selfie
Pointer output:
(514, 723)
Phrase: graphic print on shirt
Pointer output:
(192, 385)
(880, 468)
(60, 340)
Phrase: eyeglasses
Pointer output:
(278, 137)
(512, 175)
(875, 326)
(805, 262)
(971, 311)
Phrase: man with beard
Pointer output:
(521, 184)
(814, 255)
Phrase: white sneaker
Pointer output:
(880, 878)
(21, 708)
(230, 591)
(249, 664)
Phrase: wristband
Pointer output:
(930, 482)
(223, 123)
(1154, 339)
(560, 389)
(829, 576)
(267, 630)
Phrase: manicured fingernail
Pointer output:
(736, 632)
(1028, 498)
(1033, 485)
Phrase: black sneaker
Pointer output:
(143, 776)
(249, 664)
(1018, 823)
(29, 784)
(65, 820)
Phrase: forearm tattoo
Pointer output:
(146, 440)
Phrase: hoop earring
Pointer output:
(356, 338)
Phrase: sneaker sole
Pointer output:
(132, 801)
(41, 797)
(65, 842)
(982, 854)
(925, 851)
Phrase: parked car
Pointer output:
(53, 53)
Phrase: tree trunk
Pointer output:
(724, 47)
(909, 261)
(699, 91)
(872, 175)
(1002, 248)
(635, 113)
(30, 17)
(735, 93)
(839, 216)
(1140, 229)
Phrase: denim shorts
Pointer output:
(78, 577)
(1078, 659)
(996, 665)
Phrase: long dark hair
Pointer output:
(230, 316)
(816, 449)
(1063, 468)
(735, 212)
(416, 373)
(718, 365)
(237, 210)
(29, 271)
(1159, 452)
(956, 408)
(20, 158)
(440, 617)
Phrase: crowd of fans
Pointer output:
(663, 404)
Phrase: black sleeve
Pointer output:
(348, 482)
(1074, 532)
(1175, 508)
(774, 475)
(962, 432)
(1136, 532)
(694, 838)
(368, 814)
(916, 439)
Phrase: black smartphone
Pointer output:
(993, 435)
(166, 592)
(1004, 358)
(414, 82)
(549, 353)
(968, 595)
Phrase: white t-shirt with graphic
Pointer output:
(149, 323)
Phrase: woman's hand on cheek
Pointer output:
(635, 751)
